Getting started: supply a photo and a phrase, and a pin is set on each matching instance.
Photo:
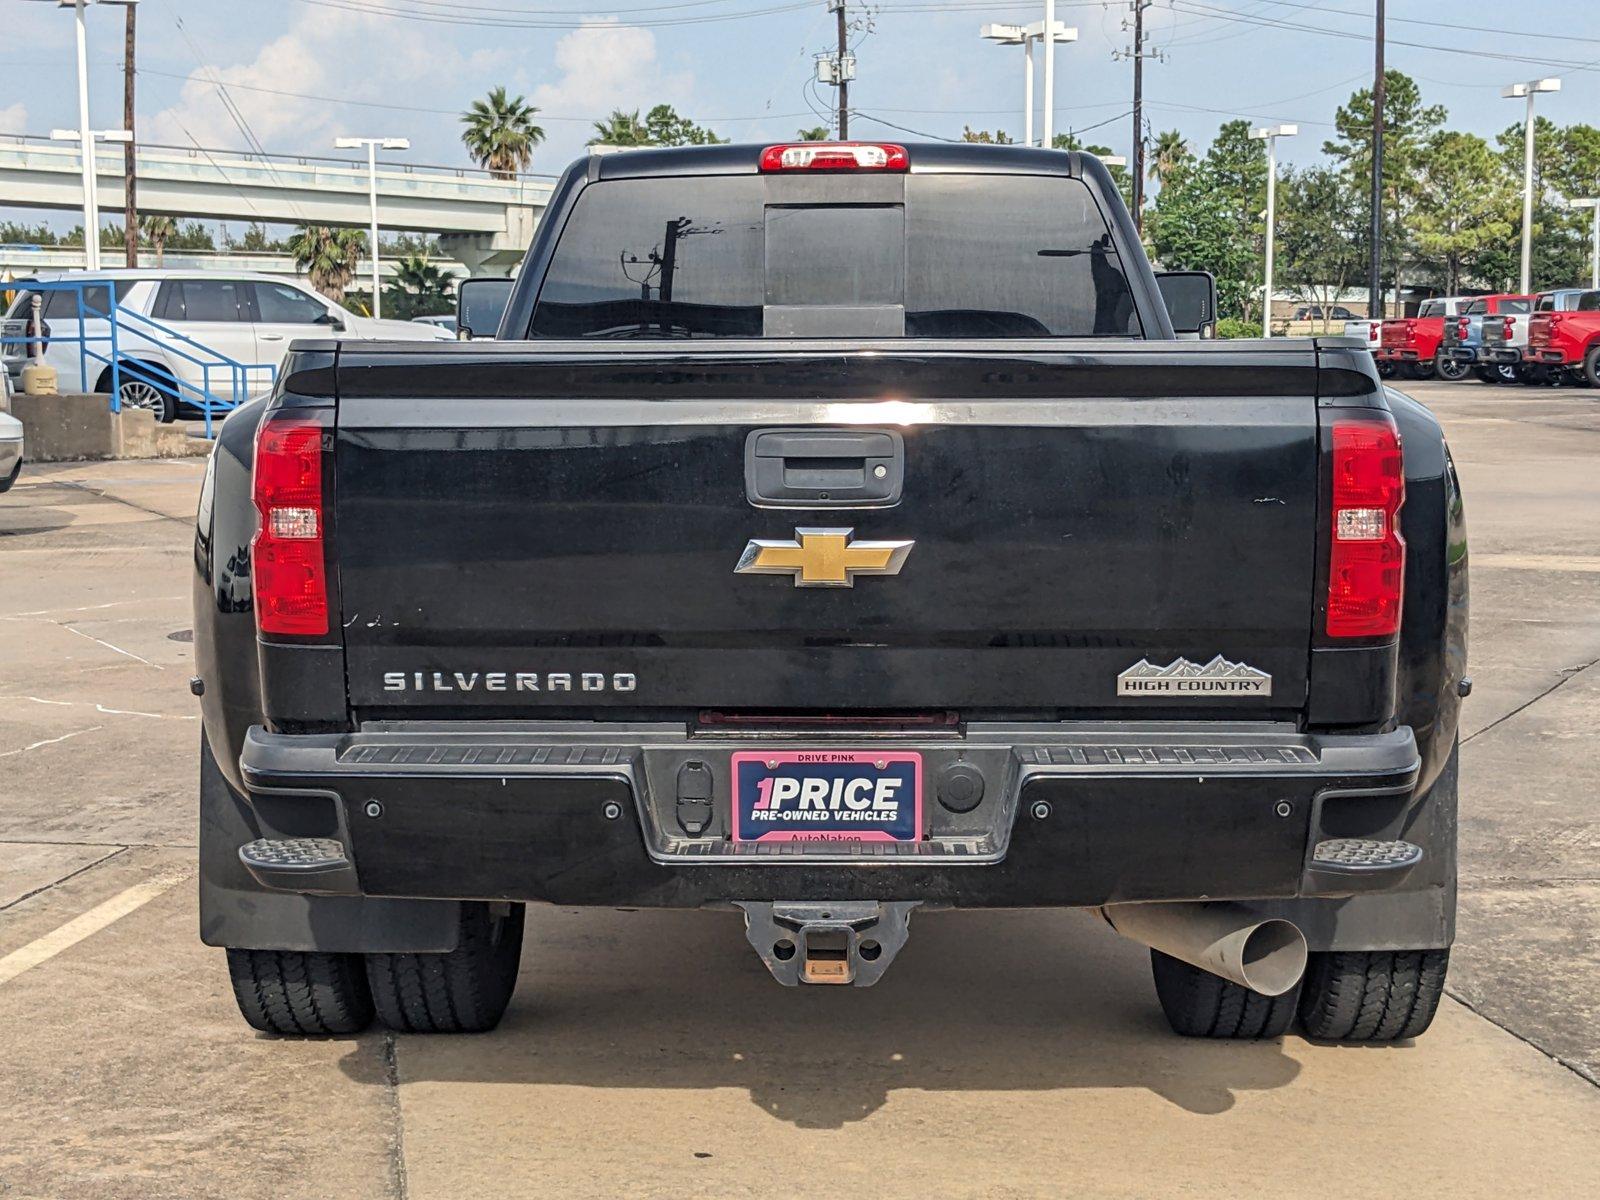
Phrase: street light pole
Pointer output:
(1049, 75)
(372, 144)
(1518, 91)
(1270, 134)
(85, 136)
(86, 139)
(1025, 36)
(91, 205)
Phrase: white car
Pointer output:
(195, 327)
(10, 437)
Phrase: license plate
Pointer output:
(827, 796)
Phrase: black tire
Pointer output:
(295, 994)
(464, 991)
(1385, 370)
(1590, 371)
(1449, 369)
(1420, 370)
(1533, 376)
(16, 470)
(1372, 995)
(147, 386)
(1200, 1004)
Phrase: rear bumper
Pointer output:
(1390, 354)
(1069, 816)
(1501, 355)
(1553, 358)
(1466, 354)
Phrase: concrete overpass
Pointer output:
(19, 261)
(483, 223)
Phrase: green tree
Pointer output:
(662, 126)
(1318, 251)
(418, 289)
(817, 133)
(1207, 218)
(1464, 209)
(998, 138)
(1408, 126)
(156, 232)
(328, 256)
(666, 127)
(501, 133)
(1168, 156)
(1559, 256)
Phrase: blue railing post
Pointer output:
(83, 337)
(116, 357)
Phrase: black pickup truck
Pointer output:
(833, 530)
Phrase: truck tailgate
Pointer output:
(534, 529)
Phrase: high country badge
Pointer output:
(1182, 678)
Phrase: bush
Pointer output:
(1233, 327)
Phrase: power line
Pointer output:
(1190, 6)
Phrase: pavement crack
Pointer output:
(1578, 1069)
(1570, 674)
(70, 875)
(149, 512)
(398, 1184)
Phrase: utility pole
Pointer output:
(1375, 310)
(130, 201)
(844, 78)
(1138, 55)
(1138, 114)
(838, 68)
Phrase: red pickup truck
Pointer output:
(1568, 342)
(1412, 343)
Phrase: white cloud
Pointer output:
(325, 52)
(604, 65)
(14, 119)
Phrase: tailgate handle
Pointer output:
(824, 468)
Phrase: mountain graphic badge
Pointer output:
(1182, 678)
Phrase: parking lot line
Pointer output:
(64, 937)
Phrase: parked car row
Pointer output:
(1549, 338)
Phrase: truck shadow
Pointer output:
(977, 1001)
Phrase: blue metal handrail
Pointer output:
(128, 322)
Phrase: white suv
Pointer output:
(202, 319)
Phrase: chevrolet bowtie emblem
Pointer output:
(822, 558)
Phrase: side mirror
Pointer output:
(480, 303)
(332, 321)
(1191, 298)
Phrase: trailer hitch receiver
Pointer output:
(827, 942)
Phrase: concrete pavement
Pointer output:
(648, 1054)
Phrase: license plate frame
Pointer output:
(841, 814)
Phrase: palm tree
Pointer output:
(328, 256)
(501, 134)
(157, 231)
(817, 133)
(1168, 155)
(421, 278)
(620, 129)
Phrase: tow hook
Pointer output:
(827, 942)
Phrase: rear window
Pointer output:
(959, 256)
(64, 305)
(1514, 306)
(1589, 302)
(1431, 308)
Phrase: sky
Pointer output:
(297, 73)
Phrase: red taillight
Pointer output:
(1366, 568)
(1510, 327)
(287, 560)
(835, 156)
